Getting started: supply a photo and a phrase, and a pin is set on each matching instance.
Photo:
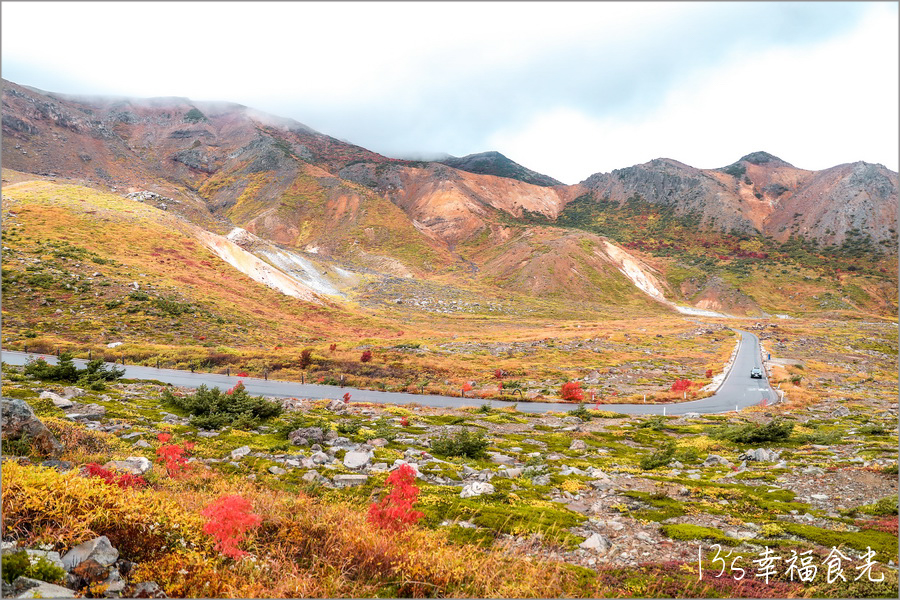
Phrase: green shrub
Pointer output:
(139, 296)
(463, 443)
(660, 458)
(581, 412)
(95, 373)
(19, 564)
(776, 430)
(213, 409)
(656, 423)
(349, 427)
(194, 116)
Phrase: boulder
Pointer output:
(476, 488)
(350, 480)
(148, 589)
(25, 587)
(356, 460)
(501, 459)
(320, 458)
(578, 445)
(70, 392)
(18, 422)
(716, 460)
(241, 452)
(596, 542)
(760, 455)
(306, 435)
(276, 470)
(98, 549)
(57, 400)
(136, 465)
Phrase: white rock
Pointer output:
(58, 401)
(241, 452)
(136, 465)
(476, 488)
(42, 589)
(350, 480)
(98, 549)
(356, 460)
(114, 344)
(596, 542)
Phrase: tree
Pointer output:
(571, 392)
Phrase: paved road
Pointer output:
(737, 391)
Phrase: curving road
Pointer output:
(737, 391)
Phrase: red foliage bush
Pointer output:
(571, 392)
(305, 358)
(708, 373)
(366, 356)
(681, 385)
(332, 347)
(499, 374)
(404, 421)
(237, 387)
(123, 480)
(394, 512)
(347, 398)
(229, 520)
(173, 456)
(242, 374)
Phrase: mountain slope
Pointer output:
(494, 163)
(764, 194)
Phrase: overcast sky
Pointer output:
(566, 89)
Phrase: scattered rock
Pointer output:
(356, 460)
(350, 480)
(18, 421)
(25, 587)
(276, 470)
(716, 460)
(306, 435)
(476, 488)
(578, 445)
(57, 400)
(239, 453)
(136, 465)
(98, 549)
(148, 589)
(598, 543)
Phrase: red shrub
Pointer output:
(394, 512)
(366, 356)
(681, 385)
(173, 456)
(123, 480)
(242, 374)
(332, 347)
(237, 387)
(228, 520)
(572, 392)
(404, 421)
(347, 398)
(708, 373)
(305, 358)
(499, 374)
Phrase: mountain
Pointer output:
(481, 220)
(761, 193)
(494, 163)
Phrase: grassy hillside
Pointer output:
(796, 277)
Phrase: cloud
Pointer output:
(557, 84)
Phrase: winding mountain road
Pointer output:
(737, 391)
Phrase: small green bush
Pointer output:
(463, 443)
(19, 564)
(776, 430)
(214, 409)
(194, 116)
(581, 412)
(660, 458)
